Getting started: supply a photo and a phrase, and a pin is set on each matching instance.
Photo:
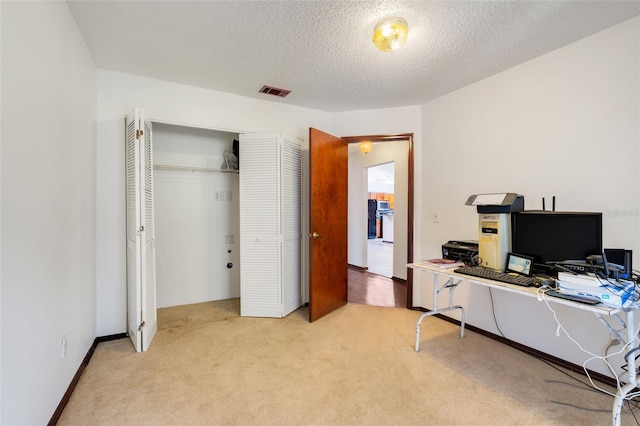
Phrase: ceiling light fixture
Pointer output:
(390, 34)
(366, 147)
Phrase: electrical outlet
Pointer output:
(436, 216)
(218, 195)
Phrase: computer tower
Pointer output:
(494, 239)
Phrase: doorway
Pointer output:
(403, 240)
(380, 220)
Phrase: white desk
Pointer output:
(453, 280)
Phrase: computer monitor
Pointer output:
(517, 263)
(550, 236)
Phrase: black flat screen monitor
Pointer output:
(550, 236)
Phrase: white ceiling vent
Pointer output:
(269, 90)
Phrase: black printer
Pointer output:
(464, 251)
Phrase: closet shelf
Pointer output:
(170, 168)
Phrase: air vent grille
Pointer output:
(270, 90)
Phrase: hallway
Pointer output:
(366, 288)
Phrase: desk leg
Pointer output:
(633, 378)
(617, 403)
(451, 284)
(451, 307)
(426, 314)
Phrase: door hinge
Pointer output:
(142, 324)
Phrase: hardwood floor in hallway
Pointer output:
(366, 288)
(380, 257)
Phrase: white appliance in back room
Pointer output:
(386, 215)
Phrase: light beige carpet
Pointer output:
(357, 366)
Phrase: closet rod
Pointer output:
(171, 168)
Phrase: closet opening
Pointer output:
(196, 212)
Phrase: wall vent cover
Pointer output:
(270, 90)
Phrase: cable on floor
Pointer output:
(591, 385)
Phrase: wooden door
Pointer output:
(328, 182)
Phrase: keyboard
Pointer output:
(490, 274)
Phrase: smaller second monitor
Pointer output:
(519, 264)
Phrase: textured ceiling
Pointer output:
(322, 50)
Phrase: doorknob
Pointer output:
(316, 236)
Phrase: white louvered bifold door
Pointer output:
(291, 202)
(141, 289)
(149, 312)
(259, 226)
(269, 225)
(134, 267)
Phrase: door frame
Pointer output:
(410, 202)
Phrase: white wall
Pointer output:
(192, 224)
(383, 152)
(564, 124)
(1, 134)
(48, 207)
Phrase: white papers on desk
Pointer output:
(443, 263)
